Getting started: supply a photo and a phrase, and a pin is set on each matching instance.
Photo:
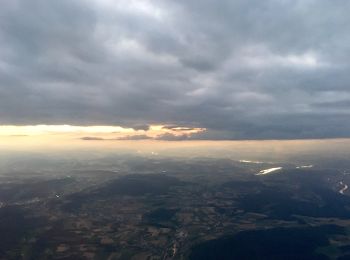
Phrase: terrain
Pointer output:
(136, 207)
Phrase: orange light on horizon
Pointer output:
(96, 130)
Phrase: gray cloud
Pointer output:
(92, 138)
(242, 69)
(141, 127)
(124, 138)
(134, 137)
(171, 137)
(178, 128)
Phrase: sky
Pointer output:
(175, 70)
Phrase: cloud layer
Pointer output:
(241, 69)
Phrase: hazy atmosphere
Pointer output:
(174, 129)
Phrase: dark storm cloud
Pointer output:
(242, 69)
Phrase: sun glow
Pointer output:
(101, 132)
(13, 130)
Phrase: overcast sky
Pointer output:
(244, 69)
